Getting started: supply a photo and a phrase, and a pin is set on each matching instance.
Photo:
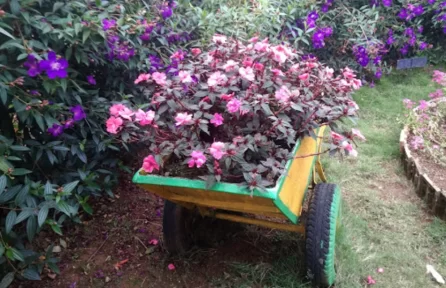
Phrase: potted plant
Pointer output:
(238, 127)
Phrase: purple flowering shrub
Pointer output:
(234, 112)
(426, 121)
(62, 63)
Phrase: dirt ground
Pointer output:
(116, 247)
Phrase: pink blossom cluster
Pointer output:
(120, 113)
(439, 77)
(235, 110)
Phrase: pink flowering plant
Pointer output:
(426, 121)
(235, 112)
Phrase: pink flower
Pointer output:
(254, 39)
(312, 65)
(217, 150)
(217, 78)
(259, 66)
(358, 134)
(113, 124)
(283, 94)
(233, 105)
(348, 73)
(220, 39)
(353, 104)
(230, 65)
(185, 77)
(178, 55)
(195, 51)
(247, 73)
(328, 72)
(353, 153)
(144, 118)
(227, 97)
(294, 68)
(370, 280)
(217, 120)
(304, 77)
(142, 77)
(159, 78)
(153, 242)
(261, 46)
(149, 164)
(126, 113)
(277, 72)
(171, 267)
(436, 94)
(408, 103)
(439, 77)
(347, 146)
(198, 159)
(380, 270)
(183, 119)
(278, 54)
(115, 109)
(356, 83)
(336, 137)
(417, 142)
(423, 105)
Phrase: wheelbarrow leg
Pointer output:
(177, 228)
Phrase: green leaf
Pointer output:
(10, 193)
(64, 207)
(20, 198)
(7, 280)
(2, 250)
(39, 121)
(57, 6)
(87, 208)
(85, 35)
(82, 156)
(48, 188)
(24, 215)
(31, 274)
(43, 213)
(16, 254)
(64, 84)
(19, 148)
(67, 188)
(10, 220)
(15, 7)
(61, 148)
(53, 267)
(3, 94)
(4, 32)
(56, 228)
(3, 180)
(31, 228)
(20, 171)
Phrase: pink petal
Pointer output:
(171, 267)
(153, 242)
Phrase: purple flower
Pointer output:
(422, 46)
(73, 285)
(144, 37)
(444, 30)
(405, 49)
(166, 12)
(403, 14)
(431, 2)
(420, 29)
(108, 24)
(68, 124)
(408, 32)
(32, 65)
(378, 74)
(55, 130)
(313, 15)
(387, 3)
(417, 11)
(412, 41)
(324, 8)
(377, 60)
(390, 40)
(442, 18)
(328, 31)
(372, 84)
(363, 60)
(318, 39)
(34, 92)
(443, 4)
(55, 68)
(78, 113)
(155, 63)
(374, 3)
(91, 80)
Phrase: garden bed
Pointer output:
(428, 176)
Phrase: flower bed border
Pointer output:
(434, 197)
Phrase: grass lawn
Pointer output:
(385, 224)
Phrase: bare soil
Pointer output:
(435, 171)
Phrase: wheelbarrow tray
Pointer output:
(284, 199)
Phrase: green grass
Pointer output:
(384, 223)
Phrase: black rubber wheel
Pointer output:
(322, 224)
(177, 228)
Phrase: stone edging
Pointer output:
(425, 188)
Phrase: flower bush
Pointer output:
(235, 111)
(427, 122)
(62, 63)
